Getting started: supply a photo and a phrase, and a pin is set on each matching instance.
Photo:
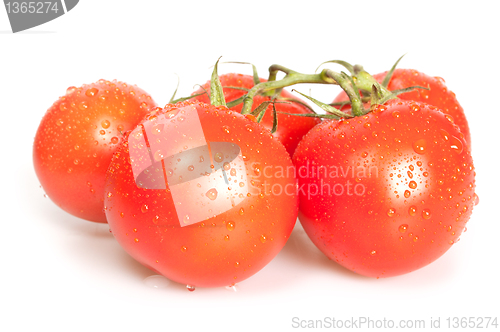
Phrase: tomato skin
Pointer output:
(76, 139)
(411, 179)
(438, 94)
(291, 128)
(221, 250)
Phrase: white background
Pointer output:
(68, 274)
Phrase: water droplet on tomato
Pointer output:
(476, 199)
(412, 210)
(456, 144)
(184, 248)
(226, 129)
(426, 213)
(403, 228)
(230, 225)
(158, 155)
(144, 208)
(212, 194)
(190, 168)
(70, 90)
(91, 92)
(242, 211)
(114, 140)
(105, 124)
(407, 193)
(391, 212)
(412, 185)
(218, 157)
(419, 146)
(373, 252)
(190, 288)
(263, 238)
(186, 219)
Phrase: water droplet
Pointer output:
(242, 211)
(396, 114)
(456, 144)
(415, 107)
(190, 168)
(186, 219)
(190, 288)
(114, 140)
(158, 155)
(476, 199)
(226, 166)
(105, 124)
(218, 157)
(144, 208)
(184, 248)
(70, 90)
(391, 212)
(233, 172)
(230, 225)
(263, 238)
(83, 106)
(412, 185)
(419, 146)
(426, 213)
(212, 194)
(403, 228)
(76, 161)
(156, 129)
(226, 129)
(407, 193)
(91, 92)
(63, 107)
(412, 210)
(410, 174)
(157, 281)
(373, 252)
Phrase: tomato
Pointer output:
(201, 194)
(438, 94)
(388, 192)
(76, 140)
(291, 128)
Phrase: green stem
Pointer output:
(291, 78)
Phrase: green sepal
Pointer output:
(327, 108)
(388, 76)
(216, 91)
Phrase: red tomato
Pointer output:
(291, 128)
(76, 140)
(388, 192)
(201, 195)
(438, 94)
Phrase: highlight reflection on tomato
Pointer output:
(186, 195)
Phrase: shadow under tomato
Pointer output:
(303, 254)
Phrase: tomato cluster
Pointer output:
(207, 194)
